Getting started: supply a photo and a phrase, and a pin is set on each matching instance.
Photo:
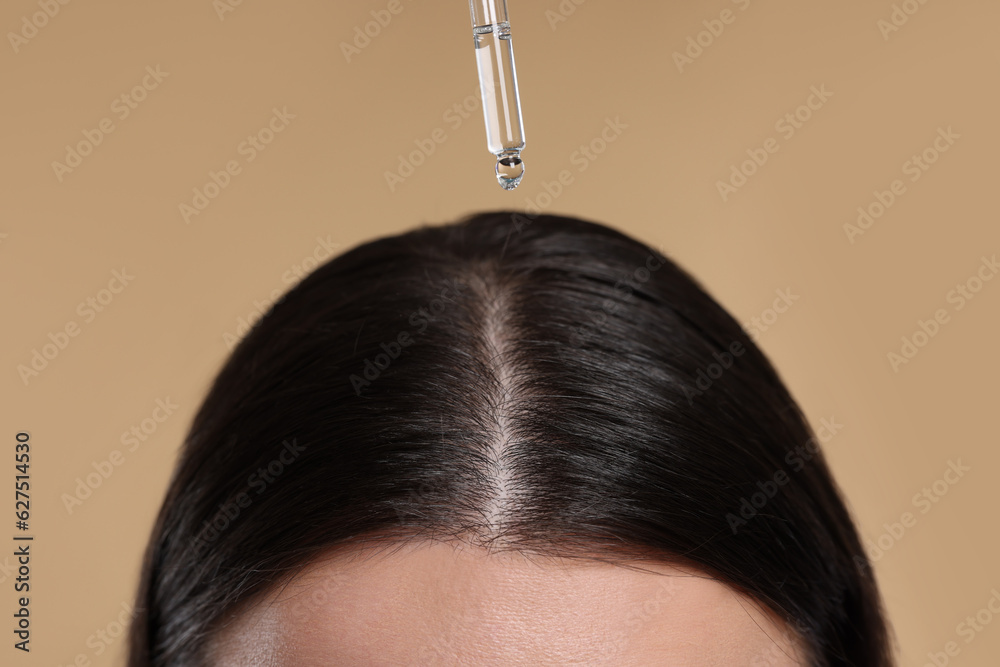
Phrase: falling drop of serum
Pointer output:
(510, 169)
(498, 85)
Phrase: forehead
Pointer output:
(438, 604)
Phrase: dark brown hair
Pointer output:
(534, 384)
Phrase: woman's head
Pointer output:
(464, 430)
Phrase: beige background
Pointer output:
(322, 182)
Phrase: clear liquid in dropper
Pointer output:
(510, 169)
(501, 105)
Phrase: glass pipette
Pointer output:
(498, 85)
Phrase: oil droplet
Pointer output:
(510, 169)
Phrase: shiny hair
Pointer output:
(539, 384)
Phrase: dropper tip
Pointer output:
(510, 170)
